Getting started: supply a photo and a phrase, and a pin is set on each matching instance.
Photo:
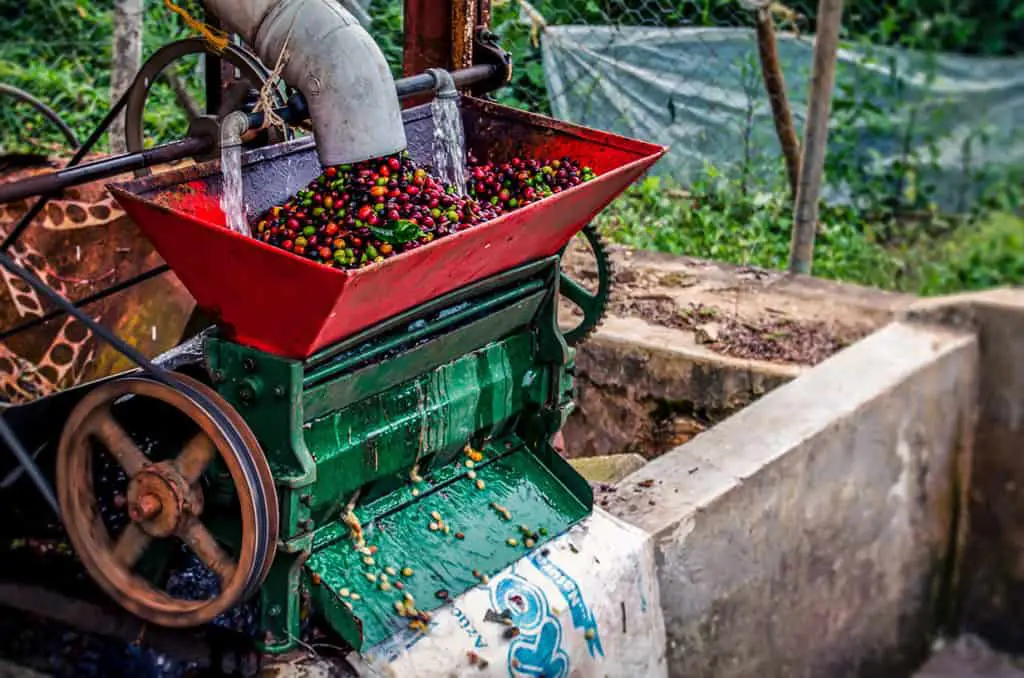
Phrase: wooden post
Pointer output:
(125, 62)
(775, 87)
(812, 162)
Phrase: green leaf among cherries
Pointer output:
(402, 232)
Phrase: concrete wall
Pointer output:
(992, 565)
(809, 534)
(645, 389)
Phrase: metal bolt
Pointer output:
(279, 391)
(249, 364)
(148, 506)
(274, 610)
(217, 376)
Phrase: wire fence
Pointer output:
(925, 115)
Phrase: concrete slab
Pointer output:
(646, 381)
(810, 540)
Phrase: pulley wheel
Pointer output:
(165, 498)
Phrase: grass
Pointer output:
(714, 220)
(60, 52)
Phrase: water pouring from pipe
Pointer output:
(232, 199)
(449, 143)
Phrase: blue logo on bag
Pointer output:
(537, 650)
(582, 617)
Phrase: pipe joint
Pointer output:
(444, 84)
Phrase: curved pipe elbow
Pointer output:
(444, 84)
(336, 65)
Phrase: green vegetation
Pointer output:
(893, 237)
(714, 219)
(60, 51)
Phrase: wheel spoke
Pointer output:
(575, 292)
(131, 545)
(119, 444)
(196, 456)
(198, 538)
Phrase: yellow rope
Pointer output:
(217, 39)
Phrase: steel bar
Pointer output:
(53, 182)
(25, 461)
(428, 35)
(45, 184)
(411, 86)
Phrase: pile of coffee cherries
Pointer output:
(356, 215)
(510, 185)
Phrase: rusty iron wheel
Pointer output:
(165, 499)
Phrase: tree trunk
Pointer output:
(812, 160)
(775, 86)
(126, 58)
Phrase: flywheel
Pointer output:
(252, 74)
(213, 494)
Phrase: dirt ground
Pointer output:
(741, 312)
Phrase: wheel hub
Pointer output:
(159, 498)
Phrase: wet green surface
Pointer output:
(435, 413)
(441, 562)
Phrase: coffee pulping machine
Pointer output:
(352, 446)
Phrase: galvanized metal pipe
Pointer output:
(336, 65)
(297, 111)
(53, 182)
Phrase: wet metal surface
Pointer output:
(495, 513)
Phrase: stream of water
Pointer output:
(449, 147)
(231, 199)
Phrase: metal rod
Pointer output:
(53, 182)
(12, 442)
(213, 72)
(297, 110)
(85, 301)
(812, 163)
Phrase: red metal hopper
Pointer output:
(278, 302)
